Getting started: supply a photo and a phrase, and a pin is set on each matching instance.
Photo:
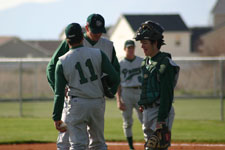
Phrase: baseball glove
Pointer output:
(106, 87)
(160, 139)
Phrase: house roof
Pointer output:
(219, 7)
(47, 45)
(5, 39)
(171, 22)
(196, 34)
(15, 47)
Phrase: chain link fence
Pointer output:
(25, 91)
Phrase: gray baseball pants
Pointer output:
(130, 97)
(150, 119)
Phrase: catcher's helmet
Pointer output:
(149, 30)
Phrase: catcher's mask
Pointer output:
(149, 30)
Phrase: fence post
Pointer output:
(20, 88)
(35, 91)
(221, 90)
(216, 93)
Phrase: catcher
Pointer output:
(160, 75)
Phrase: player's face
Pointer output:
(92, 36)
(129, 51)
(95, 37)
(148, 47)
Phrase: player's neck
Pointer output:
(130, 57)
(75, 45)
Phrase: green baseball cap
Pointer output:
(96, 23)
(73, 30)
(129, 43)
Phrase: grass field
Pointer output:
(195, 121)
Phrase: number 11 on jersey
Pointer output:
(89, 64)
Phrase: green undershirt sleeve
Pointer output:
(166, 91)
(50, 70)
(60, 84)
(113, 75)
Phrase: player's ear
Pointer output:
(82, 40)
(67, 40)
(86, 27)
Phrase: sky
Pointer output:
(46, 19)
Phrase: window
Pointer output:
(177, 41)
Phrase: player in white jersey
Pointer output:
(128, 93)
(92, 38)
(81, 69)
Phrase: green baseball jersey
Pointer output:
(160, 74)
(105, 45)
(81, 69)
(130, 72)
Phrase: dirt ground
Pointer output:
(116, 146)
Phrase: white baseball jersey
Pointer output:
(130, 72)
(105, 45)
(82, 70)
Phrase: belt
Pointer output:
(73, 96)
(153, 105)
(134, 87)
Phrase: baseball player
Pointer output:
(160, 74)
(81, 69)
(92, 38)
(128, 93)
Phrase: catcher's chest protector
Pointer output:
(151, 83)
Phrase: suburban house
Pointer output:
(176, 35)
(13, 47)
(213, 42)
(218, 13)
(180, 40)
(196, 33)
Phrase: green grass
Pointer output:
(27, 130)
(195, 121)
(29, 109)
(198, 131)
(201, 109)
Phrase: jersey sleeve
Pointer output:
(50, 71)
(60, 84)
(166, 77)
(113, 75)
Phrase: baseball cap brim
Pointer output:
(98, 30)
(129, 45)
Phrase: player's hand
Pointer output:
(160, 124)
(58, 127)
(141, 109)
(121, 105)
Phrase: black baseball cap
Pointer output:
(129, 43)
(96, 23)
(73, 30)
